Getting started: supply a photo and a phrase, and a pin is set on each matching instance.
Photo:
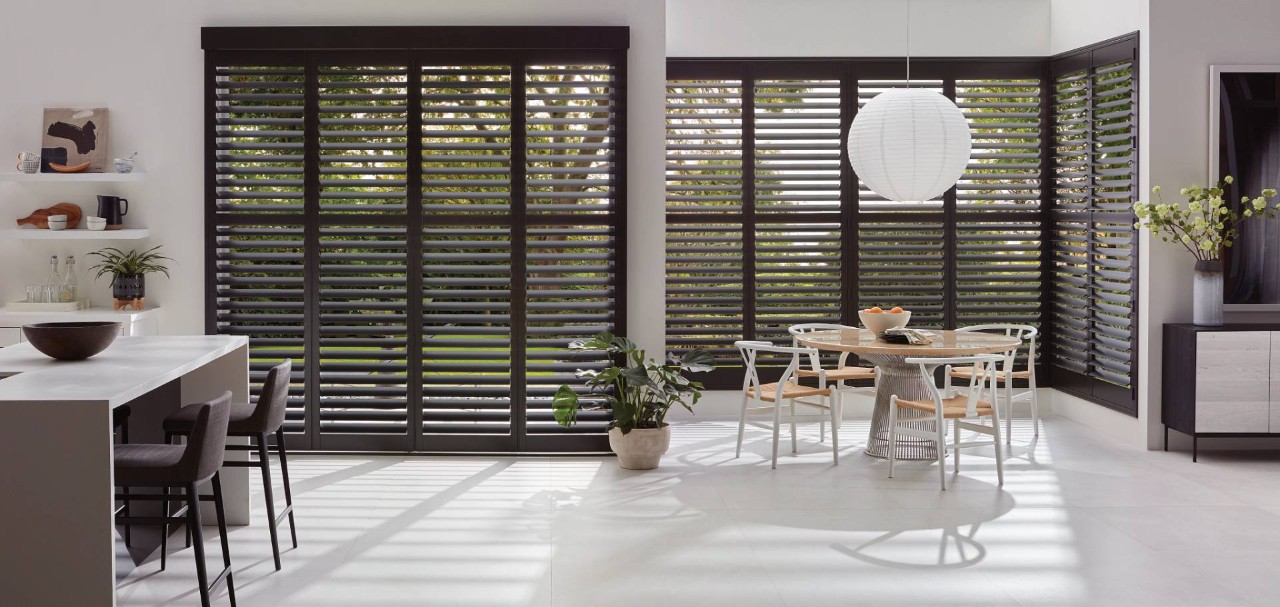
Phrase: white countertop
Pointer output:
(23, 317)
(129, 368)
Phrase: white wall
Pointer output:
(142, 59)
(856, 28)
(1077, 23)
(1187, 36)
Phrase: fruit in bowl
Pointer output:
(878, 320)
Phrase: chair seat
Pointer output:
(770, 391)
(149, 464)
(952, 408)
(842, 374)
(182, 420)
(1001, 376)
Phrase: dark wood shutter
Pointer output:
(767, 226)
(1094, 278)
(424, 232)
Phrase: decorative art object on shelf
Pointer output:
(128, 273)
(639, 394)
(113, 209)
(125, 165)
(1206, 228)
(28, 162)
(73, 137)
(40, 218)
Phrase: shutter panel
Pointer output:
(1071, 283)
(1094, 259)
(705, 254)
(363, 274)
(998, 211)
(257, 211)
(571, 128)
(467, 271)
(798, 266)
(902, 252)
(1115, 178)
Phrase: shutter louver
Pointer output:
(258, 205)
(705, 251)
(466, 309)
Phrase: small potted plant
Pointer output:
(128, 273)
(1206, 228)
(639, 391)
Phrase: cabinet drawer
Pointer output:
(1233, 356)
(1233, 406)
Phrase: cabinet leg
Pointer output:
(1166, 439)
(1195, 448)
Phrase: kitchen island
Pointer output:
(56, 451)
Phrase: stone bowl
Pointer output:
(71, 340)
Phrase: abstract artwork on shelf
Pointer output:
(73, 136)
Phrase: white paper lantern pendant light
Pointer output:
(909, 144)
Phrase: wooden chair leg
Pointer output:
(197, 540)
(222, 535)
(742, 425)
(893, 432)
(956, 462)
(264, 464)
(288, 491)
(941, 434)
(777, 428)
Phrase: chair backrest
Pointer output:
(751, 350)
(268, 415)
(1025, 333)
(208, 440)
(982, 380)
(810, 327)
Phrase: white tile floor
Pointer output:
(1081, 520)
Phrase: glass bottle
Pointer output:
(70, 284)
(53, 283)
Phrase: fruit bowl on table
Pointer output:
(879, 322)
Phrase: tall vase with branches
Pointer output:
(1206, 227)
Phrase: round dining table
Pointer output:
(897, 377)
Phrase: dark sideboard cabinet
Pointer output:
(1221, 382)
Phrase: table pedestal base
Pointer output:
(904, 380)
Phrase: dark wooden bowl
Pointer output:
(71, 340)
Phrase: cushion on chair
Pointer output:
(148, 464)
(952, 408)
(183, 419)
(790, 390)
(842, 374)
(1001, 376)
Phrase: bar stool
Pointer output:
(120, 427)
(255, 421)
(183, 467)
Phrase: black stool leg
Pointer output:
(193, 523)
(265, 464)
(128, 529)
(222, 534)
(284, 474)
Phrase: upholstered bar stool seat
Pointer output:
(256, 421)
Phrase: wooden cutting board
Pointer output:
(40, 218)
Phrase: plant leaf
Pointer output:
(564, 405)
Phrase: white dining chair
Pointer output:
(773, 397)
(962, 410)
(1006, 375)
(842, 373)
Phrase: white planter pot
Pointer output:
(641, 448)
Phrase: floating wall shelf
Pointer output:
(77, 234)
(72, 177)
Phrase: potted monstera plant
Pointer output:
(639, 391)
